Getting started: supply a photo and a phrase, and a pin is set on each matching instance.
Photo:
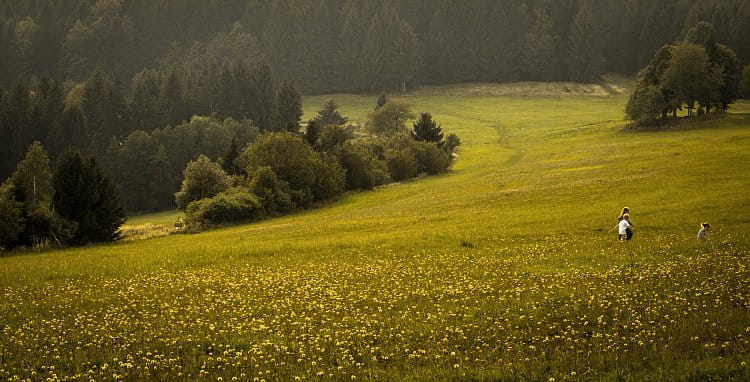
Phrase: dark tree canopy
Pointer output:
(427, 130)
(329, 115)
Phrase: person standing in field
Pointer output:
(622, 228)
(629, 231)
(702, 234)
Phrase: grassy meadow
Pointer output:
(504, 268)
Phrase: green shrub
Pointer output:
(330, 178)
(310, 177)
(364, 170)
(331, 137)
(401, 164)
(232, 205)
(202, 179)
(451, 142)
(432, 160)
(271, 192)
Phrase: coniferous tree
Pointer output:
(426, 129)
(84, 195)
(288, 108)
(312, 132)
(329, 115)
(586, 61)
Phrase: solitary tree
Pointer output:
(329, 115)
(426, 129)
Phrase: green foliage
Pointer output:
(452, 141)
(364, 170)
(312, 132)
(381, 101)
(33, 188)
(690, 75)
(331, 137)
(401, 164)
(685, 74)
(272, 193)
(33, 179)
(145, 165)
(289, 108)
(231, 206)
(201, 179)
(11, 224)
(645, 104)
(586, 62)
(745, 84)
(427, 130)
(329, 115)
(87, 198)
(229, 160)
(309, 175)
(390, 119)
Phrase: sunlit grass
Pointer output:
(505, 268)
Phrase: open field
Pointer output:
(505, 268)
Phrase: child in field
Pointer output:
(623, 226)
(626, 211)
(702, 234)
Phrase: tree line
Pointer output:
(355, 45)
(74, 205)
(696, 73)
(286, 171)
(102, 111)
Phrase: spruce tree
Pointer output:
(426, 129)
(84, 195)
(329, 115)
(288, 108)
(312, 133)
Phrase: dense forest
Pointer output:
(356, 45)
(148, 86)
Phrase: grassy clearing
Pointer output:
(503, 269)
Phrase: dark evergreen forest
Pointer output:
(356, 45)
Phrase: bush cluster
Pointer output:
(287, 171)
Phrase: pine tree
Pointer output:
(329, 115)
(84, 195)
(312, 132)
(288, 108)
(426, 129)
